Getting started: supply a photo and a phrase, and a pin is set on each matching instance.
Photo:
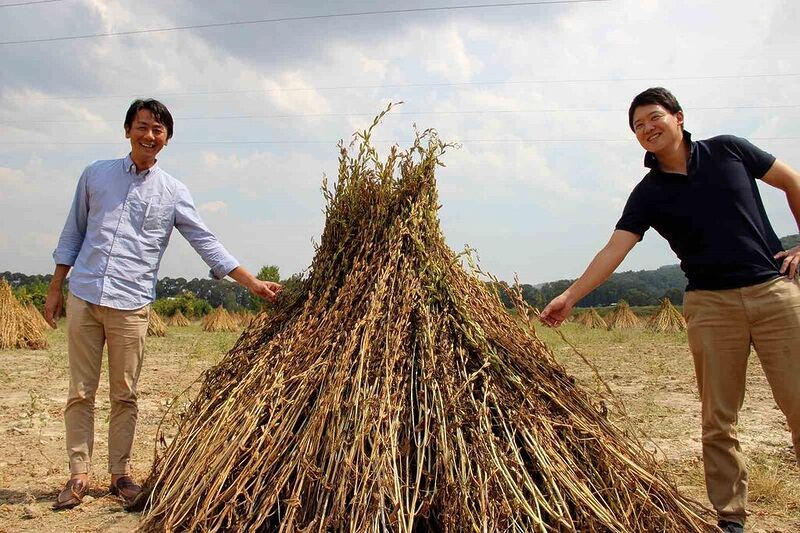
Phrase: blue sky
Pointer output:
(537, 95)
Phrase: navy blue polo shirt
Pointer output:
(713, 217)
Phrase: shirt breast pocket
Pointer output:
(157, 217)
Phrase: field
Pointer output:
(651, 373)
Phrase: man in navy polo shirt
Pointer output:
(743, 287)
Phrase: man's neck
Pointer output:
(676, 159)
(141, 166)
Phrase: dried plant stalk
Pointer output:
(391, 391)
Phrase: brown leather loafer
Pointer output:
(126, 489)
(72, 495)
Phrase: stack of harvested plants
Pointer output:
(36, 316)
(17, 327)
(178, 319)
(591, 319)
(245, 318)
(220, 320)
(156, 326)
(622, 317)
(391, 391)
(667, 319)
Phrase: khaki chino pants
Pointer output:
(89, 327)
(722, 326)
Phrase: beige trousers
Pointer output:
(722, 326)
(89, 327)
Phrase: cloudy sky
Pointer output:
(536, 94)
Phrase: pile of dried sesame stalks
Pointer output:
(178, 320)
(220, 320)
(667, 319)
(591, 319)
(393, 392)
(622, 316)
(18, 328)
(156, 326)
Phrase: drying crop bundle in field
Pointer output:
(156, 326)
(591, 319)
(220, 320)
(391, 391)
(622, 317)
(667, 319)
(36, 316)
(245, 318)
(17, 327)
(178, 319)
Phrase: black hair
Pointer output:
(159, 111)
(654, 96)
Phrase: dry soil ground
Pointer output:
(650, 373)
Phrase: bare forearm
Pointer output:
(242, 276)
(60, 274)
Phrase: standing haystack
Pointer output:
(591, 319)
(220, 320)
(17, 327)
(667, 319)
(36, 316)
(156, 326)
(391, 391)
(622, 317)
(245, 318)
(178, 319)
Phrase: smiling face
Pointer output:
(658, 130)
(148, 136)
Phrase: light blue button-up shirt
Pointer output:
(118, 228)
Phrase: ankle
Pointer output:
(83, 476)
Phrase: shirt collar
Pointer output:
(650, 160)
(130, 167)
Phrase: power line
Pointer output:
(18, 4)
(299, 18)
(424, 85)
(400, 113)
(333, 143)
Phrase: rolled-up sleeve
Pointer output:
(194, 230)
(74, 232)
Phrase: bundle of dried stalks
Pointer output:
(17, 327)
(391, 391)
(156, 326)
(622, 317)
(220, 320)
(245, 318)
(178, 319)
(667, 319)
(36, 316)
(591, 319)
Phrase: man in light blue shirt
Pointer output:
(115, 235)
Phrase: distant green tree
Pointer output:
(269, 273)
(675, 296)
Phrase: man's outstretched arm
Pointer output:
(785, 178)
(602, 266)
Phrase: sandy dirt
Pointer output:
(651, 374)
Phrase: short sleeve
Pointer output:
(635, 217)
(756, 161)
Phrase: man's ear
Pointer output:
(679, 118)
(127, 133)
